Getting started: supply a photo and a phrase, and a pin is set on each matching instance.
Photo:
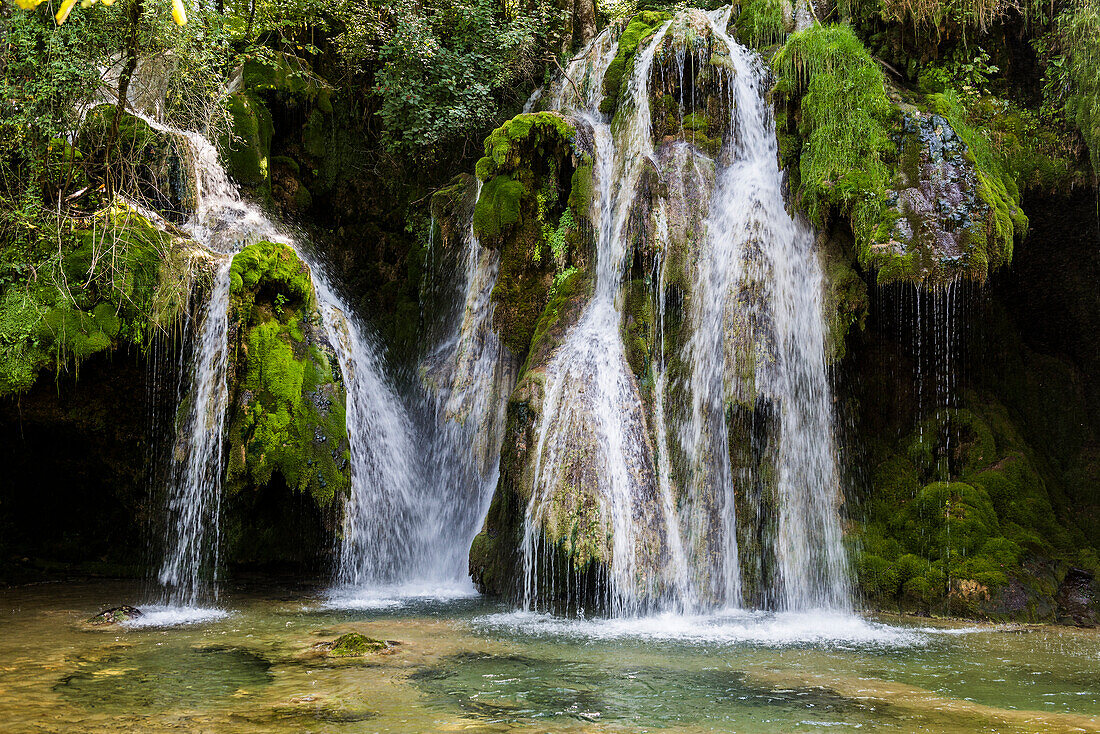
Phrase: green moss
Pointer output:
(354, 645)
(996, 183)
(288, 76)
(516, 140)
(521, 211)
(248, 146)
(846, 299)
(112, 282)
(640, 27)
(573, 286)
(497, 209)
(289, 411)
(580, 192)
(844, 120)
(956, 543)
(762, 23)
(639, 326)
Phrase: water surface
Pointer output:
(464, 664)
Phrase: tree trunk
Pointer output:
(125, 76)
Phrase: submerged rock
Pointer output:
(115, 615)
(354, 645)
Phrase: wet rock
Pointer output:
(115, 615)
(1077, 599)
(354, 645)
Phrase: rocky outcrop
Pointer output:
(286, 423)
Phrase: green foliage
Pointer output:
(762, 23)
(845, 120)
(289, 415)
(1079, 27)
(446, 65)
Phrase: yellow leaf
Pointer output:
(28, 4)
(63, 13)
(178, 13)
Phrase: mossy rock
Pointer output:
(534, 208)
(123, 281)
(288, 76)
(641, 26)
(355, 645)
(247, 147)
(288, 404)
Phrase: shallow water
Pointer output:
(464, 664)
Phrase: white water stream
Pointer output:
(756, 308)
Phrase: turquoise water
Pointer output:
(463, 664)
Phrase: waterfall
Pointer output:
(408, 529)
(378, 426)
(467, 410)
(379, 531)
(588, 390)
(753, 334)
(194, 501)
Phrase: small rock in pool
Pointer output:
(115, 615)
(354, 645)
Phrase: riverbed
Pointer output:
(457, 662)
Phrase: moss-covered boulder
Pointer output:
(962, 522)
(926, 196)
(287, 398)
(247, 146)
(640, 28)
(354, 645)
(148, 164)
(275, 84)
(688, 85)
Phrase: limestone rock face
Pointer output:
(946, 214)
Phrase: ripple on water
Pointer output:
(397, 595)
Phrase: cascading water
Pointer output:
(409, 527)
(761, 262)
(588, 391)
(378, 426)
(467, 409)
(752, 334)
(221, 222)
(189, 572)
